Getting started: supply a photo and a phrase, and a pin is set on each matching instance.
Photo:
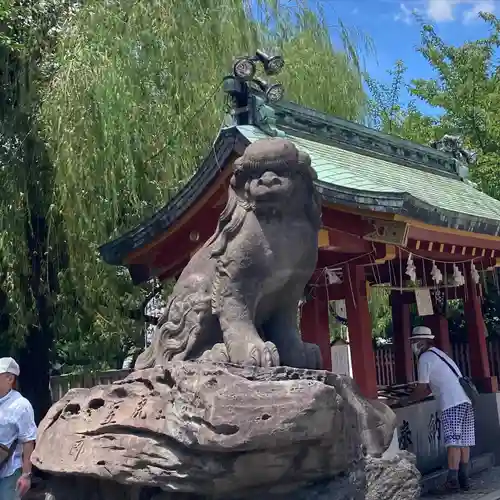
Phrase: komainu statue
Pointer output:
(237, 299)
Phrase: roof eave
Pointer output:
(229, 141)
(408, 205)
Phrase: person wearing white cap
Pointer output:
(439, 375)
(17, 435)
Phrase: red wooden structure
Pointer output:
(384, 200)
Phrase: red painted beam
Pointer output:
(315, 325)
(401, 333)
(183, 242)
(328, 257)
(449, 252)
(443, 257)
(360, 331)
(462, 240)
(195, 215)
(347, 243)
(345, 222)
(476, 333)
(450, 293)
(334, 291)
(390, 271)
(173, 270)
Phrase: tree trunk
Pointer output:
(35, 357)
(34, 381)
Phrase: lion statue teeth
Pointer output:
(237, 299)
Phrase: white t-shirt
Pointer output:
(444, 383)
(16, 422)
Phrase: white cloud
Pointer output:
(405, 14)
(441, 11)
(477, 7)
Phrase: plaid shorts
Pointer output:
(458, 426)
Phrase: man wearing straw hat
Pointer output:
(438, 374)
(17, 435)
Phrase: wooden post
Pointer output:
(476, 331)
(360, 330)
(401, 330)
(315, 325)
(439, 326)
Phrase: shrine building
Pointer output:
(395, 214)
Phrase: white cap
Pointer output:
(9, 365)
(422, 333)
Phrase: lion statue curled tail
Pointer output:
(237, 299)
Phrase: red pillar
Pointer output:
(401, 330)
(439, 326)
(315, 324)
(476, 331)
(360, 330)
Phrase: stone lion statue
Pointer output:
(237, 299)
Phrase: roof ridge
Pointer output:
(347, 133)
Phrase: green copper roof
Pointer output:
(357, 167)
(367, 177)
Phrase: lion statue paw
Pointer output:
(263, 354)
(217, 354)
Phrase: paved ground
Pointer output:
(485, 486)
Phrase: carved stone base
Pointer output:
(346, 487)
(396, 478)
(205, 429)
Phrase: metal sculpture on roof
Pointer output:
(237, 299)
(454, 145)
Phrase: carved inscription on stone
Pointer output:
(405, 440)
(110, 417)
(434, 429)
(138, 412)
(77, 448)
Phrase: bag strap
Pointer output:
(450, 366)
(12, 449)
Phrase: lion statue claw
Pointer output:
(237, 299)
(265, 355)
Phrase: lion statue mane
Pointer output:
(237, 299)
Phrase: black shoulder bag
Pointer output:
(467, 385)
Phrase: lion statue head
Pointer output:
(272, 174)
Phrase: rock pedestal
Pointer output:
(199, 429)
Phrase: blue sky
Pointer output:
(395, 34)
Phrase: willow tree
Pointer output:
(131, 111)
(29, 264)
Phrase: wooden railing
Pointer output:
(384, 359)
(61, 384)
(384, 363)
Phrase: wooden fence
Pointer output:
(61, 384)
(384, 359)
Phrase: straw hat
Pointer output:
(421, 333)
